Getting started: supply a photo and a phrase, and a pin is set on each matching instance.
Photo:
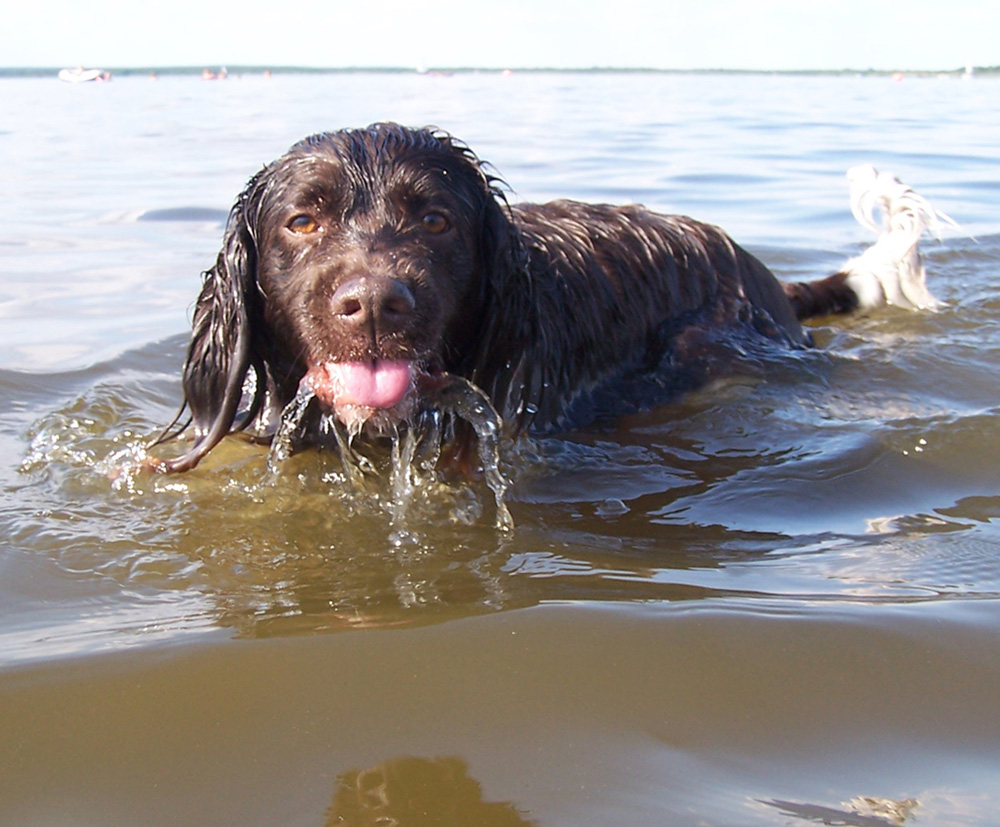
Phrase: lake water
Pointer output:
(773, 602)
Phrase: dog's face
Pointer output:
(369, 263)
(357, 264)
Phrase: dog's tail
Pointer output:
(891, 271)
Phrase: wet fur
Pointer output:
(537, 304)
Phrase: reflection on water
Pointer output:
(859, 812)
(417, 792)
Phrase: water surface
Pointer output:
(773, 601)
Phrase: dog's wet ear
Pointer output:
(220, 353)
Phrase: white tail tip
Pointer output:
(891, 271)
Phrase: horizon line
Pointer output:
(192, 68)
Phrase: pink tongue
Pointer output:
(379, 385)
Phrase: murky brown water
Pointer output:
(771, 602)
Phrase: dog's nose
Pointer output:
(383, 302)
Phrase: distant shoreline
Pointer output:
(164, 71)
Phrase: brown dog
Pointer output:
(365, 263)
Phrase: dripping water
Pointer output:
(414, 450)
(402, 480)
(283, 442)
(465, 400)
(356, 464)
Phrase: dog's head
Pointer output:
(356, 263)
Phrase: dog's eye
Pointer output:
(303, 224)
(434, 222)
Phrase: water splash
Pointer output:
(469, 402)
(402, 481)
(415, 447)
(283, 442)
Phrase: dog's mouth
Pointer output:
(356, 391)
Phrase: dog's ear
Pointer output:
(220, 353)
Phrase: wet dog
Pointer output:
(366, 265)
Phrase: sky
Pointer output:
(661, 34)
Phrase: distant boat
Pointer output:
(81, 75)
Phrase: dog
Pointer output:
(366, 264)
